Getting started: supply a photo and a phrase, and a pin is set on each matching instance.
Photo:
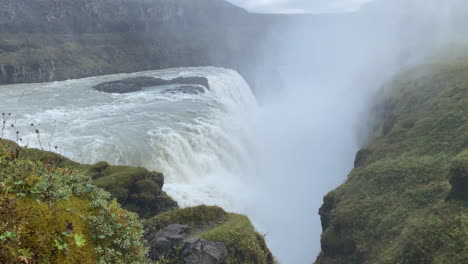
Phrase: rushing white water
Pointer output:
(200, 142)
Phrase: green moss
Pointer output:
(244, 244)
(55, 215)
(136, 189)
(394, 208)
(195, 217)
(48, 157)
(37, 225)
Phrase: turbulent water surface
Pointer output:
(198, 141)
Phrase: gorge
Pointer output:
(260, 114)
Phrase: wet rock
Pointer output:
(165, 242)
(185, 90)
(134, 84)
(199, 251)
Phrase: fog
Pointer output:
(312, 122)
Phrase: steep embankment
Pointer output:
(406, 200)
(44, 41)
(53, 210)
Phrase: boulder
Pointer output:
(200, 251)
(165, 242)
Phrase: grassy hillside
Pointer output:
(406, 200)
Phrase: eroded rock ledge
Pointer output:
(191, 85)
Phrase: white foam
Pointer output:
(200, 142)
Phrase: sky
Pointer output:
(300, 6)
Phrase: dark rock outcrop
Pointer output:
(165, 242)
(129, 85)
(200, 251)
(362, 157)
(325, 211)
(173, 242)
(459, 177)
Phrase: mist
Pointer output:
(290, 98)
(313, 121)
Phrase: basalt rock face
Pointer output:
(129, 85)
(43, 41)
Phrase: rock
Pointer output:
(172, 242)
(136, 189)
(325, 211)
(200, 251)
(134, 84)
(362, 157)
(165, 242)
(186, 90)
(458, 175)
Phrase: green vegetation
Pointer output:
(54, 211)
(405, 202)
(195, 217)
(244, 244)
(136, 189)
(56, 215)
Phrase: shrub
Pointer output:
(58, 216)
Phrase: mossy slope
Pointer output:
(136, 189)
(55, 215)
(405, 202)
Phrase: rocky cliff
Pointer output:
(46, 40)
(405, 201)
